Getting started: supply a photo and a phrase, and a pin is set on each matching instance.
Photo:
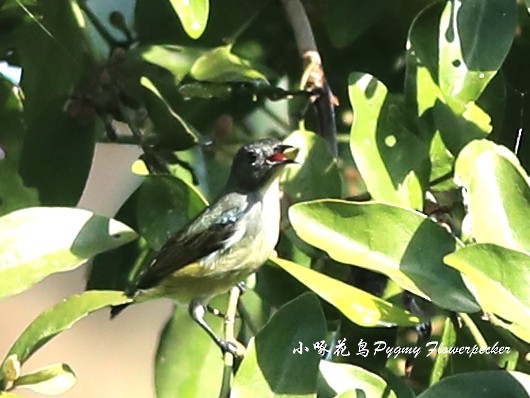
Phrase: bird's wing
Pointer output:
(213, 230)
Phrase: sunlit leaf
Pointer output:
(498, 195)
(456, 123)
(272, 367)
(52, 380)
(186, 357)
(475, 37)
(402, 244)
(60, 318)
(317, 176)
(498, 277)
(343, 377)
(220, 65)
(448, 339)
(357, 305)
(29, 251)
(193, 14)
(176, 59)
(393, 162)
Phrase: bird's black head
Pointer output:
(257, 164)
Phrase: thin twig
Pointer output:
(103, 32)
(229, 336)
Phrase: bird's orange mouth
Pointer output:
(287, 154)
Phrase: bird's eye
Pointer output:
(252, 156)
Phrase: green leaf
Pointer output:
(474, 39)
(456, 124)
(188, 363)
(402, 244)
(60, 318)
(342, 377)
(357, 305)
(13, 193)
(4, 394)
(346, 20)
(52, 380)
(498, 195)
(220, 65)
(448, 339)
(165, 205)
(318, 176)
(176, 59)
(393, 162)
(204, 90)
(193, 14)
(173, 131)
(271, 367)
(490, 384)
(29, 251)
(499, 278)
(59, 143)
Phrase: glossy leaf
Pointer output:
(173, 131)
(448, 339)
(220, 65)
(165, 205)
(176, 59)
(357, 305)
(475, 37)
(402, 244)
(4, 394)
(29, 252)
(456, 124)
(62, 317)
(499, 278)
(272, 367)
(342, 377)
(317, 176)
(14, 194)
(52, 380)
(498, 195)
(490, 383)
(393, 162)
(188, 363)
(193, 14)
(205, 90)
(59, 142)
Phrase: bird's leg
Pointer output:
(197, 310)
(242, 286)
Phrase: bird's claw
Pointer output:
(233, 347)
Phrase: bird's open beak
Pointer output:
(284, 154)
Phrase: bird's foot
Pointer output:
(233, 347)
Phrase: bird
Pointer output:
(225, 243)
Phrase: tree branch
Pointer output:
(313, 78)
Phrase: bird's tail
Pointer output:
(115, 310)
